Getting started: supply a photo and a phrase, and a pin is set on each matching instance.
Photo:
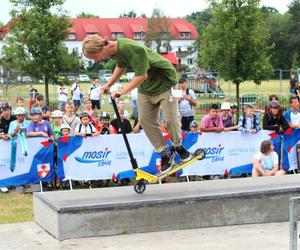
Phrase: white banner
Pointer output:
(105, 156)
(23, 163)
(225, 151)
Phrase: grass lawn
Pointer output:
(15, 208)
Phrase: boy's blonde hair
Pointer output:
(93, 44)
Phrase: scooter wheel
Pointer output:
(140, 187)
(200, 154)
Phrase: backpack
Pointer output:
(80, 127)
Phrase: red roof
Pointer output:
(106, 26)
(171, 56)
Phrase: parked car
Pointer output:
(188, 75)
(123, 78)
(84, 78)
(71, 78)
(26, 79)
(107, 77)
(130, 75)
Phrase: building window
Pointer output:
(139, 35)
(72, 36)
(91, 33)
(185, 35)
(117, 35)
(190, 61)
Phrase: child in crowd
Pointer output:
(65, 130)
(227, 117)
(249, 122)
(85, 128)
(57, 122)
(39, 127)
(88, 106)
(20, 125)
(212, 122)
(193, 127)
(265, 162)
(105, 128)
(273, 118)
(40, 103)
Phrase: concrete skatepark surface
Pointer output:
(272, 236)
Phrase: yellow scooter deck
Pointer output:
(142, 175)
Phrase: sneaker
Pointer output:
(183, 153)
(4, 189)
(167, 157)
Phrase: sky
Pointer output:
(113, 8)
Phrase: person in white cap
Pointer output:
(227, 118)
(20, 125)
(65, 130)
(57, 122)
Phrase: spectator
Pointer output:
(95, 120)
(273, 98)
(95, 95)
(39, 127)
(20, 102)
(193, 127)
(234, 111)
(227, 118)
(273, 118)
(3, 136)
(126, 124)
(249, 122)
(69, 117)
(65, 130)
(105, 128)
(293, 82)
(40, 103)
(265, 162)
(186, 103)
(133, 103)
(121, 108)
(212, 122)
(33, 92)
(297, 90)
(62, 97)
(20, 125)
(88, 106)
(57, 123)
(292, 115)
(85, 128)
(6, 118)
(76, 94)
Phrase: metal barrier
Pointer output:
(294, 202)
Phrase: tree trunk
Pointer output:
(237, 96)
(47, 90)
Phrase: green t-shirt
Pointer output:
(140, 59)
(56, 131)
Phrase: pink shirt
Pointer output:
(207, 122)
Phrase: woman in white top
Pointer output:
(265, 162)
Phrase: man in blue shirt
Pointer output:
(292, 115)
(186, 103)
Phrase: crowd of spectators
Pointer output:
(67, 119)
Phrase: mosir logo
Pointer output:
(214, 153)
(101, 157)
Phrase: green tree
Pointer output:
(200, 19)
(35, 42)
(130, 14)
(158, 31)
(1, 23)
(278, 25)
(86, 15)
(294, 29)
(235, 43)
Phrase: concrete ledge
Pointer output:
(110, 211)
